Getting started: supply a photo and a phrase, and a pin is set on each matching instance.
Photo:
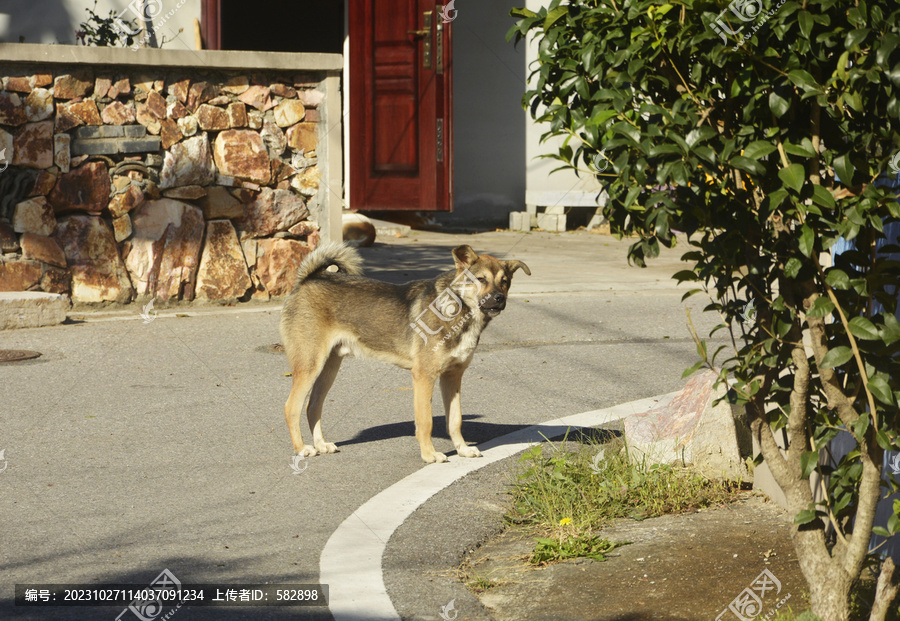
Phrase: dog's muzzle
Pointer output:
(493, 304)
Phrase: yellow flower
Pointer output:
(564, 521)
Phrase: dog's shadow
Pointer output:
(475, 432)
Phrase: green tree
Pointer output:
(733, 123)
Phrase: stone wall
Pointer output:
(125, 183)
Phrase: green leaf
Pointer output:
(881, 390)
(554, 15)
(836, 357)
(844, 169)
(808, 461)
(837, 279)
(778, 104)
(792, 176)
(806, 23)
(855, 37)
(692, 369)
(805, 517)
(822, 197)
(880, 530)
(864, 329)
(807, 239)
(822, 307)
(521, 12)
(758, 149)
(747, 165)
(804, 80)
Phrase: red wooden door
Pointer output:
(400, 105)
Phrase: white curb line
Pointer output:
(351, 560)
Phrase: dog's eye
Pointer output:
(482, 280)
(504, 282)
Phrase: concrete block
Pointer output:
(551, 222)
(135, 131)
(97, 146)
(100, 131)
(519, 221)
(555, 209)
(141, 145)
(32, 309)
(714, 439)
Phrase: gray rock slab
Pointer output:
(32, 309)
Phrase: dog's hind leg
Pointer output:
(423, 389)
(305, 373)
(451, 382)
(317, 399)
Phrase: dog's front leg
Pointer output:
(451, 382)
(423, 388)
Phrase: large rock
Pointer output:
(240, 153)
(288, 112)
(271, 212)
(223, 271)
(212, 118)
(85, 188)
(9, 241)
(33, 145)
(125, 201)
(72, 86)
(219, 203)
(11, 110)
(188, 162)
(39, 104)
(98, 274)
(278, 262)
(42, 248)
(303, 137)
(118, 113)
(32, 309)
(165, 248)
(19, 275)
(715, 439)
(34, 215)
(86, 111)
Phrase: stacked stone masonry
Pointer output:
(119, 185)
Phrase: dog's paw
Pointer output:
(326, 447)
(434, 458)
(467, 451)
(307, 451)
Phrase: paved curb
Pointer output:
(32, 309)
(351, 561)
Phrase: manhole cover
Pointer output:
(17, 355)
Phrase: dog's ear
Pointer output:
(512, 266)
(464, 256)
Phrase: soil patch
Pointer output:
(678, 567)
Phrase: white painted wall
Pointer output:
(563, 186)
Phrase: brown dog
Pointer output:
(428, 326)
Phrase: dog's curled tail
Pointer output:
(346, 259)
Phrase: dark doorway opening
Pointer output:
(278, 26)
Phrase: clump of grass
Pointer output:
(480, 584)
(566, 495)
(583, 545)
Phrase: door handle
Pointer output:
(426, 35)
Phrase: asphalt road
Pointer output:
(133, 447)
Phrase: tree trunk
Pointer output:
(885, 591)
(829, 596)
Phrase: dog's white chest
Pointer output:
(464, 348)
